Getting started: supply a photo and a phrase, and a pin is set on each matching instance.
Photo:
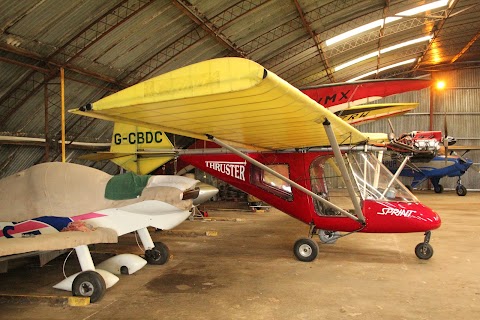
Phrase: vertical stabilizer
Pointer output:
(145, 149)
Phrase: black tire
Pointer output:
(305, 249)
(89, 284)
(461, 190)
(158, 255)
(438, 189)
(409, 187)
(422, 252)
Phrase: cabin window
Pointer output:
(374, 181)
(272, 184)
(327, 182)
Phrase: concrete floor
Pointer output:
(248, 272)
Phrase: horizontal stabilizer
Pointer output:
(105, 155)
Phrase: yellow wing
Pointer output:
(371, 112)
(233, 99)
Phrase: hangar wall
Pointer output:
(459, 103)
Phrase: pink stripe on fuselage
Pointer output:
(87, 216)
(27, 226)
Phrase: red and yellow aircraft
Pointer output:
(275, 138)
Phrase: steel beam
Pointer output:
(467, 46)
(206, 27)
(200, 19)
(381, 33)
(436, 30)
(10, 102)
(318, 45)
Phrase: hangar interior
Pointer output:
(102, 47)
(106, 46)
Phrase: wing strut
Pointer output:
(285, 179)
(399, 170)
(343, 170)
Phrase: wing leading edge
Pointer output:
(233, 99)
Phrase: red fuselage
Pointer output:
(381, 216)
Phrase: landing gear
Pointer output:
(438, 188)
(305, 249)
(89, 284)
(155, 253)
(424, 250)
(158, 255)
(327, 236)
(461, 190)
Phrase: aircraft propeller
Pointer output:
(445, 140)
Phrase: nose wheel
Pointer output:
(424, 250)
(460, 189)
(158, 255)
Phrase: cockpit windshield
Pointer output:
(371, 179)
(375, 181)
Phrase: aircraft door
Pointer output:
(326, 181)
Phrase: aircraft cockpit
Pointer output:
(371, 179)
(374, 181)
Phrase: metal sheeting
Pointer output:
(459, 103)
(114, 44)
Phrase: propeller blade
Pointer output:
(445, 139)
(391, 126)
(391, 135)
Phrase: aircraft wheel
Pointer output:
(89, 284)
(158, 255)
(424, 251)
(327, 236)
(461, 190)
(438, 189)
(305, 249)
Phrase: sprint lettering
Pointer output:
(396, 212)
(232, 169)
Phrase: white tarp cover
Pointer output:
(66, 189)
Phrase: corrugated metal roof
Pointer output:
(113, 44)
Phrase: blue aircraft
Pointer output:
(433, 169)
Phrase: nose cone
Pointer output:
(206, 192)
(427, 219)
(392, 216)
